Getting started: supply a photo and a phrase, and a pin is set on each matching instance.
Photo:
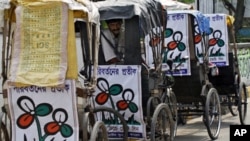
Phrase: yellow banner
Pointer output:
(40, 44)
(71, 49)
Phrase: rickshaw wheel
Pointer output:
(234, 99)
(162, 125)
(242, 104)
(4, 136)
(88, 123)
(172, 102)
(99, 132)
(152, 103)
(102, 110)
(213, 114)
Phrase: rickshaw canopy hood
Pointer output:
(83, 9)
(148, 11)
(175, 5)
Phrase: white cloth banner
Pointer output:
(176, 41)
(152, 41)
(119, 87)
(44, 113)
(218, 40)
(198, 42)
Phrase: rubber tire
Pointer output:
(88, 122)
(95, 132)
(4, 136)
(216, 111)
(172, 103)
(167, 115)
(152, 103)
(121, 118)
(242, 104)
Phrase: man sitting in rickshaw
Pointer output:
(112, 40)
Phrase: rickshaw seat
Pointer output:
(224, 82)
(188, 88)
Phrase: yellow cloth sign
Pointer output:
(39, 55)
(71, 49)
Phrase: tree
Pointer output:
(237, 12)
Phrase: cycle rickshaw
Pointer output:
(127, 86)
(223, 53)
(187, 33)
(40, 64)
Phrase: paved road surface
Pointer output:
(195, 130)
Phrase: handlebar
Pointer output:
(170, 64)
(169, 79)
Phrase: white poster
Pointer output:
(218, 40)
(198, 42)
(119, 87)
(44, 113)
(176, 42)
(153, 41)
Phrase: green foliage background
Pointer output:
(187, 1)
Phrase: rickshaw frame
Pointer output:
(86, 87)
(195, 94)
(150, 21)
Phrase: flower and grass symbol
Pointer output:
(155, 40)
(127, 101)
(197, 35)
(108, 92)
(215, 40)
(176, 43)
(198, 38)
(59, 124)
(32, 113)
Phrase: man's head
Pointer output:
(114, 26)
